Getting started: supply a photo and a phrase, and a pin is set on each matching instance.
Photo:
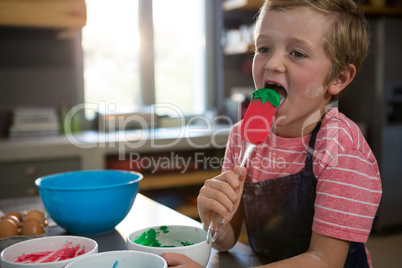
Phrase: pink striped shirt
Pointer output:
(349, 185)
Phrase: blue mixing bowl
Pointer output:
(89, 202)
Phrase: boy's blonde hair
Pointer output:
(347, 39)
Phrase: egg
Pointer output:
(8, 228)
(36, 214)
(13, 218)
(31, 227)
(16, 214)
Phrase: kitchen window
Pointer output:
(143, 52)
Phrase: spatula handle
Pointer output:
(217, 221)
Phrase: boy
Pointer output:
(309, 194)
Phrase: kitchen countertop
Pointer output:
(144, 213)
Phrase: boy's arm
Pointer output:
(324, 252)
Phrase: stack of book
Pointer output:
(28, 122)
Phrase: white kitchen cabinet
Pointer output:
(18, 178)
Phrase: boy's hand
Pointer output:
(222, 195)
(180, 261)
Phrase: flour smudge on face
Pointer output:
(313, 92)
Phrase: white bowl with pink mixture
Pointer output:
(47, 252)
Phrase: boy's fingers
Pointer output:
(170, 259)
(174, 259)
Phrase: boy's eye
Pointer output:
(263, 50)
(298, 54)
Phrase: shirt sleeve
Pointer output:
(348, 195)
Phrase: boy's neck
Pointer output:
(300, 129)
(287, 132)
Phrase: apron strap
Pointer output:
(310, 150)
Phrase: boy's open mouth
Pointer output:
(278, 89)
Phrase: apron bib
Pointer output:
(279, 215)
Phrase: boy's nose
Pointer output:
(275, 64)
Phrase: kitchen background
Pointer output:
(42, 66)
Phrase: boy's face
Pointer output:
(290, 52)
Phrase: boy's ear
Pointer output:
(343, 79)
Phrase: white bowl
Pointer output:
(120, 259)
(174, 235)
(44, 244)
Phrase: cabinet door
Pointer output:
(18, 178)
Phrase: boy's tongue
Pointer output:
(258, 119)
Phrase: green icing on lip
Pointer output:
(149, 238)
(267, 94)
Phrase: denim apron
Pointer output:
(279, 215)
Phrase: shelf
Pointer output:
(231, 5)
(43, 13)
(170, 180)
(253, 5)
(241, 49)
(373, 10)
